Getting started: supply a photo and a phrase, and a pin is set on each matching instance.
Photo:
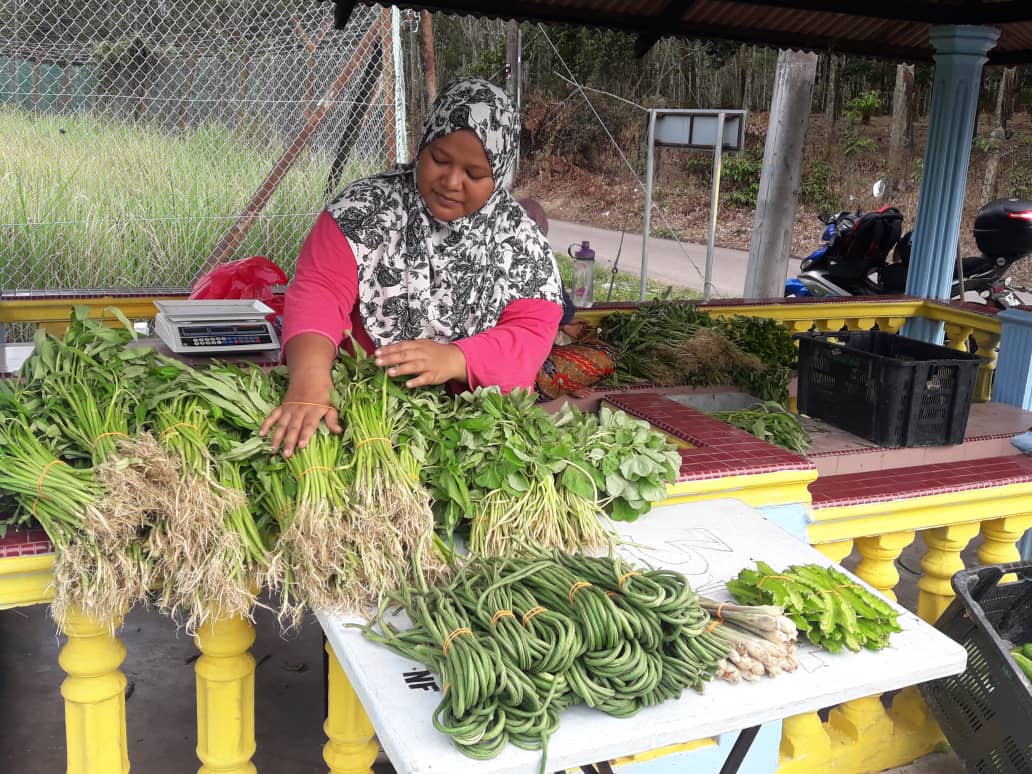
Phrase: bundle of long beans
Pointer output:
(517, 640)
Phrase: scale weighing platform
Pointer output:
(204, 327)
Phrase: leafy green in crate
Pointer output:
(828, 606)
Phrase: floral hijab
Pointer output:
(423, 278)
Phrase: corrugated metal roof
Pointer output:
(890, 29)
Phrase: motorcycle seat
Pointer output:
(978, 264)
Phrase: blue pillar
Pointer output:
(960, 52)
(1012, 383)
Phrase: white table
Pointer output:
(709, 542)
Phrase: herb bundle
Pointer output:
(828, 606)
(769, 422)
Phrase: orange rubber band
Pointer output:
(766, 578)
(170, 428)
(43, 474)
(502, 614)
(713, 626)
(610, 594)
(577, 587)
(306, 471)
(453, 635)
(444, 691)
(105, 435)
(719, 608)
(533, 612)
(625, 576)
(364, 441)
(305, 403)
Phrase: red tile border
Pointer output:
(719, 449)
(919, 481)
(25, 542)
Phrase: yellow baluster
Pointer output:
(940, 562)
(836, 551)
(805, 744)
(94, 694)
(225, 697)
(352, 747)
(878, 554)
(1001, 536)
(958, 336)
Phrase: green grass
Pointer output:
(92, 202)
(626, 286)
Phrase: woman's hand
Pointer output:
(431, 362)
(297, 418)
(307, 402)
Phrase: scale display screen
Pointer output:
(204, 336)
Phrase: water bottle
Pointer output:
(583, 290)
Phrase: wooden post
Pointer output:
(781, 174)
(387, 52)
(429, 59)
(513, 81)
(238, 231)
(184, 105)
(311, 44)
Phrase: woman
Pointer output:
(431, 266)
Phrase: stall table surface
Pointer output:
(709, 542)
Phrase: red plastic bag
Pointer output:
(252, 277)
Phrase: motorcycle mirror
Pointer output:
(878, 189)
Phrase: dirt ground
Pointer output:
(600, 188)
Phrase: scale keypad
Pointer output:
(224, 335)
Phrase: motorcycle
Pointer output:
(852, 259)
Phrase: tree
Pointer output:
(998, 138)
(901, 134)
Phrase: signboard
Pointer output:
(698, 128)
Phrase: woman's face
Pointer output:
(453, 175)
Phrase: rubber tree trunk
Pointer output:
(998, 138)
(781, 174)
(902, 122)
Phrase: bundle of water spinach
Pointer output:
(826, 605)
(517, 640)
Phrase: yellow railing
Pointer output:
(889, 314)
(225, 673)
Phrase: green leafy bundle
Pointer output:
(769, 422)
(827, 605)
(524, 476)
(669, 343)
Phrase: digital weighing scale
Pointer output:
(205, 327)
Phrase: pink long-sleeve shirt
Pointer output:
(323, 298)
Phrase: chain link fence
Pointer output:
(147, 140)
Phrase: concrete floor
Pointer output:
(160, 706)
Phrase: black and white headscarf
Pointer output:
(422, 278)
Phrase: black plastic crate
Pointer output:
(986, 711)
(889, 389)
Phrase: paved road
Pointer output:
(669, 261)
